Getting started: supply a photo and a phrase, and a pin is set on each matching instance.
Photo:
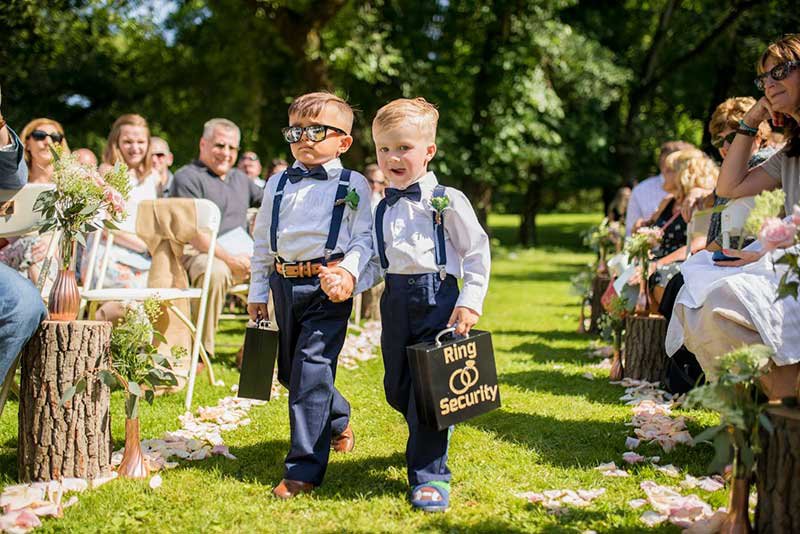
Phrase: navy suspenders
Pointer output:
(438, 233)
(336, 216)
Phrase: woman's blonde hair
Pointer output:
(730, 112)
(694, 169)
(112, 154)
(35, 124)
(785, 49)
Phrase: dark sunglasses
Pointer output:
(39, 135)
(159, 154)
(315, 132)
(719, 142)
(777, 73)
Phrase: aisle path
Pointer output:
(555, 427)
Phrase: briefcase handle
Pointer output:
(261, 324)
(444, 332)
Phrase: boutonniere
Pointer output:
(351, 199)
(439, 204)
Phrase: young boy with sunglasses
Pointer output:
(426, 237)
(315, 220)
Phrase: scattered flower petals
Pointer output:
(652, 519)
(610, 470)
(556, 501)
(360, 344)
(588, 376)
(713, 483)
(632, 458)
(631, 443)
(155, 481)
(669, 470)
(637, 503)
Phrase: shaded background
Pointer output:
(545, 105)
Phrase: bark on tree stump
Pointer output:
(599, 286)
(371, 303)
(645, 355)
(73, 440)
(778, 480)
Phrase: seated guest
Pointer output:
(213, 176)
(683, 171)
(738, 305)
(619, 204)
(26, 254)
(129, 261)
(377, 182)
(162, 161)
(86, 157)
(251, 166)
(21, 306)
(276, 166)
(647, 195)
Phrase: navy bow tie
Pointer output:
(411, 192)
(296, 174)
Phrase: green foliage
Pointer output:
(767, 204)
(735, 396)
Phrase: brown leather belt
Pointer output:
(302, 269)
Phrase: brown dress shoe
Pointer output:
(344, 442)
(291, 488)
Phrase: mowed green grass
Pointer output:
(554, 427)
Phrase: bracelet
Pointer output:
(744, 129)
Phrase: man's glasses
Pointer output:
(777, 73)
(40, 135)
(719, 142)
(315, 132)
(251, 157)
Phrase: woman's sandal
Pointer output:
(431, 496)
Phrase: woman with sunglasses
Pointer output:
(735, 307)
(129, 261)
(26, 254)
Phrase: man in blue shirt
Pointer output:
(21, 307)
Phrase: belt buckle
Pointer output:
(286, 264)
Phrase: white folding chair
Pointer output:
(18, 218)
(208, 220)
(734, 218)
(697, 227)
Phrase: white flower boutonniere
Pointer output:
(439, 204)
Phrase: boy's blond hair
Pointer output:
(413, 111)
(311, 105)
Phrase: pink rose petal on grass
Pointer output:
(652, 519)
(632, 458)
(155, 481)
(637, 503)
(669, 470)
(631, 443)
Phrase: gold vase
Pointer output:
(65, 299)
(738, 520)
(643, 301)
(617, 371)
(133, 463)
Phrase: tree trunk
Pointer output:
(778, 474)
(530, 208)
(371, 303)
(644, 347)
(599, 286)
(73, 440)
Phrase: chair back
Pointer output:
(16, 209)
(734, 218)
(697, 227)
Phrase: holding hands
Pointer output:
(337, 283)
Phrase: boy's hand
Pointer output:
(257, 310)
(337, 283)
(464, 319)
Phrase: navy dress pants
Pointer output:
(312, 333)
(414, 308)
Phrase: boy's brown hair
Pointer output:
(415, 111)
(311, 105)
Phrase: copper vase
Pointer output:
(65, 299)
(738, 520)
(134, 464)
(643, 301)
(617, 371)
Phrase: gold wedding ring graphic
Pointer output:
(463, 379)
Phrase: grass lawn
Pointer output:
(554, 427)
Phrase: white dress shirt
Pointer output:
(644, 201)
(410, 247)
(303, 225)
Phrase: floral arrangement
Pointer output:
(136, 366)
(604, 239)
(80, 196)
(439, 204)
(768, 204)
(735, 396)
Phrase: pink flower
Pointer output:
(776, 234)
(114, 199)
(98, 180)
(796, 215)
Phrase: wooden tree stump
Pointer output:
(73, 440)
(599, 286)
(778, 480)
(645, 355)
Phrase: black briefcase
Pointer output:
(258, 361)
(454, 380)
